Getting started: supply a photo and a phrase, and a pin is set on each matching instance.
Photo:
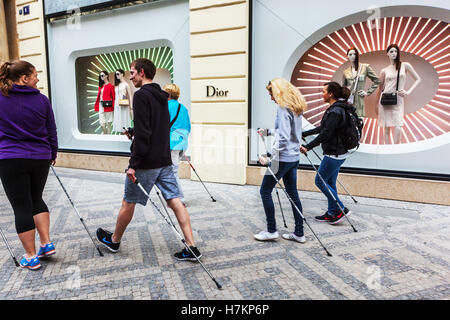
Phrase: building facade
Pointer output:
(222, 54)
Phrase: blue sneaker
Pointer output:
(47, 250)
(32, 263)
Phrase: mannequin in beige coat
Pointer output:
(362, 71)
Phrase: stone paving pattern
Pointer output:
(401, 249)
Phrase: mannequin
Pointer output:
(392, 116)
(105, 97)
(362, 71)
(123, 103)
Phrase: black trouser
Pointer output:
(24, 181)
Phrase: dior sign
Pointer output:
(212, 91)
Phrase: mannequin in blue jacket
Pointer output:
(179, 130)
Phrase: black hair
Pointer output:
(146, 65)
(116, 80)
(100, 80)
(338, 92)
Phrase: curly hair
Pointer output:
(287, 95)
(11, 72)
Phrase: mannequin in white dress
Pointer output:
(392, 116)
(123, 102)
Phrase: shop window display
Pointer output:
(422, 111)
(104, 91)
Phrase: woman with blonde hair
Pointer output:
(284, 157)
(180, 127)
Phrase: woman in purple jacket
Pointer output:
(28, 146)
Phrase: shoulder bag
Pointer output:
(351, 99)
(107, 103)
(390, 99)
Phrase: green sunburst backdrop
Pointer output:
(162, 57)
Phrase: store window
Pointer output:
(105, 103)
(423, 44)
(412, 141)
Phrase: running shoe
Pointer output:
(337, 218)
(347, 212)
(266, 235)
(46, 250)
(32, 263)
(186, 254)
(105, 238)
(293, 237)
(324, 218)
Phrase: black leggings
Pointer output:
(24, 181)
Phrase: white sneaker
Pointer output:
(293, 237)
(265, 235)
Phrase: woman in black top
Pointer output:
(334, 151)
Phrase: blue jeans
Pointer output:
(329, 170)
(288, 172)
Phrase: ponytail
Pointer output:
(336, 90)
(5, 82)
(345, 94)
(11, 72)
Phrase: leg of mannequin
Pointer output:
(397, 134)
(386, 135)
(104, 130)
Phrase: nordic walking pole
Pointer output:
(214, 200)
(298, 210)
(276, 189)
(336, 179)
(343, 187)
(219, 286)
(295, 206)
(334, 198)
(76, 210)
(281, 208)
(9, 248)
(162, 203)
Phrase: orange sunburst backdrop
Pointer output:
(423, 37)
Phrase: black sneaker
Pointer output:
(347, 212)
(337, 218)
(324, 218)
(185, 254)
(104, 237)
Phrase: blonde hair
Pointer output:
(287, 95)
(173, 90)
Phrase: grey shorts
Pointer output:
(162, 177)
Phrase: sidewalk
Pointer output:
(401, 249)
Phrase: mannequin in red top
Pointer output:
(104, 104)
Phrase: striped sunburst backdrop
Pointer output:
(426, 38)
(162, 57)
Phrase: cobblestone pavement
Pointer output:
(401, 249)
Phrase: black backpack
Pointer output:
(351, 131)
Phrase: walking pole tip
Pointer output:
(219, 286)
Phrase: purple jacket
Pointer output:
(27, 125)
